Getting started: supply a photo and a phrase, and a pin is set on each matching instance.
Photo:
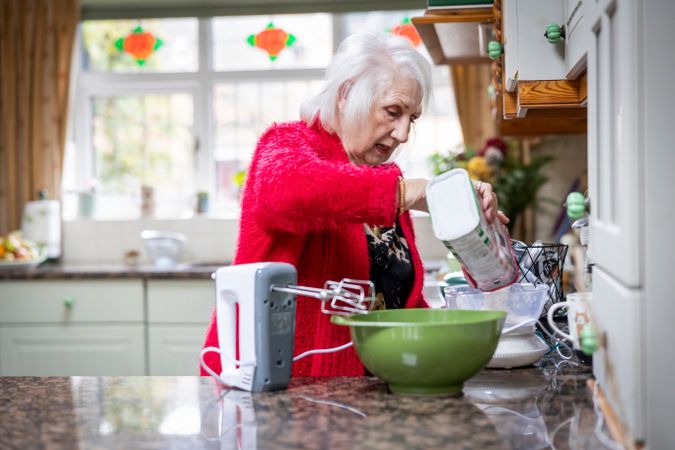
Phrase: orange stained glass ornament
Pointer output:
(407, 30)
(139, 44)
(273, 40)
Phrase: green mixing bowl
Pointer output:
(425, 351)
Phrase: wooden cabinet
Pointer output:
(178, 313)
(72, 328)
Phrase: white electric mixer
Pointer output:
(265, 294)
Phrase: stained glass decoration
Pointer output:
(407, 30)
(273, 40)
(139, 44)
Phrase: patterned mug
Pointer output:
(578, 315)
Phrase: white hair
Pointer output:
(365, 67)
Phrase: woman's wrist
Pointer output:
(412, 194)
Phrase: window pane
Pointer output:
(242, 111)
(312, 47)
(145, 140)
(177, 50)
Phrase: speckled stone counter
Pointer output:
(57, 271)
(531, 408)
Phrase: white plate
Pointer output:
(27, 263)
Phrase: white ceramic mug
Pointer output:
(578, 315)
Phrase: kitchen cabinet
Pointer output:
(630, 135)
(532, 70)
(83, 327)
(103, 327)
(178, 313)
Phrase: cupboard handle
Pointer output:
(495, 50)
(588, 340)
(554, 33)
(68, 302)
(576, 205)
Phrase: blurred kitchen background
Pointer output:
(166, 100)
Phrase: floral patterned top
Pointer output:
(391, 268)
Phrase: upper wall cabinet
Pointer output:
(540, 54)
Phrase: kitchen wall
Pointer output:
(569, 163)
(208, 239)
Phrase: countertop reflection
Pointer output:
(533, 408)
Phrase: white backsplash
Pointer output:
(208, 239)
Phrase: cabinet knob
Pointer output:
(68, 302)
(576, 205)
(589, 340)
(495, 50)
(554, 33)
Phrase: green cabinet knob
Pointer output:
(554, 33)
(68, 302)
(494, 50)
(576, 205)
(589, 340)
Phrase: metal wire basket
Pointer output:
(542, 264)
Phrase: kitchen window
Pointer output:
(178, 104)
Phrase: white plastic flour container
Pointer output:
(484, 250)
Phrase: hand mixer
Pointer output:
(266, 294)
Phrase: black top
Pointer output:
(391, 268)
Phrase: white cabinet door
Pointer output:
(618, 364)
(174, 350)
(538, 59)
(510, 43)
(179, 312)
(577, 37)
(614, 149)
(41, 350)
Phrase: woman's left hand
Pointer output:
(488, 201)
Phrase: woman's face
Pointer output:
(387, 126)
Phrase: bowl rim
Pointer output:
(348, 320)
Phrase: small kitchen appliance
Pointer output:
(41, 223)
(265, 295)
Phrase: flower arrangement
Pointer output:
(515, 182)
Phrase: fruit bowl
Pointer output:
(425, 351)
(17, 252)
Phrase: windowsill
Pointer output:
(196, 217)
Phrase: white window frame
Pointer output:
(199, 84)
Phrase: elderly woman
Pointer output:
(321, 193)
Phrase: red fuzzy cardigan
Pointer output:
(305, 203)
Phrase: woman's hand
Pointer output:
(488, 201)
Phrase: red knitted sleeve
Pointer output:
(299, 187)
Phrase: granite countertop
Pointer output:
(53, 270)
(532, 408)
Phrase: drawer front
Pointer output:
(65, 350)
(181, 301)
(60, 301)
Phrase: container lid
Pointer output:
(453, 205)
